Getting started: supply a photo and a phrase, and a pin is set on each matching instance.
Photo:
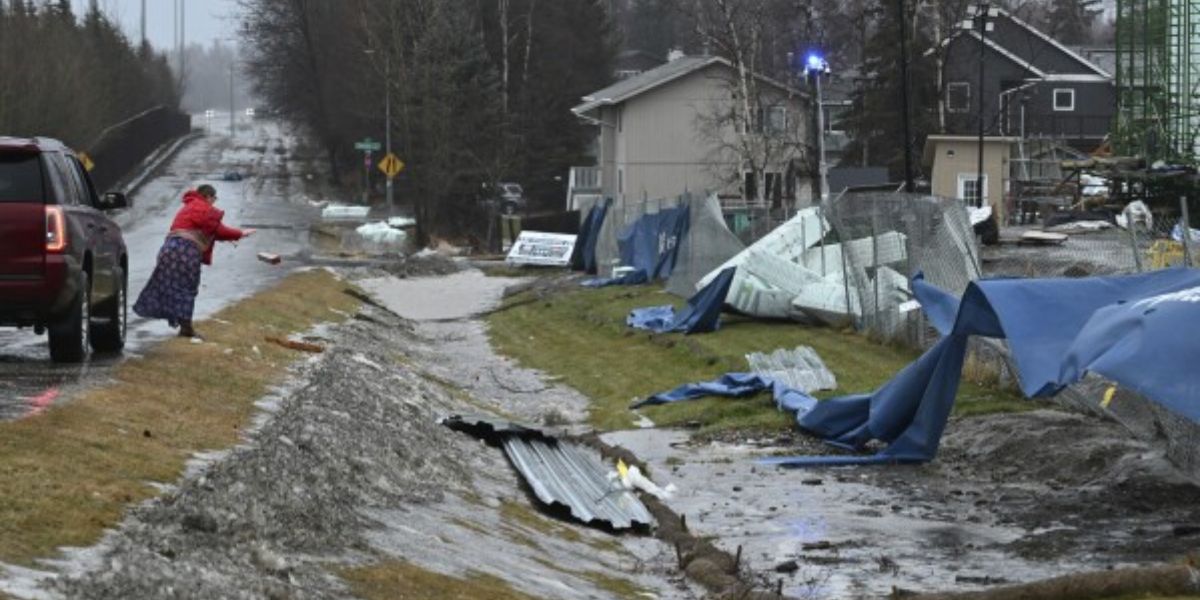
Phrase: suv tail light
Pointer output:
(56, 229)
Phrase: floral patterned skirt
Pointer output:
(171, 292)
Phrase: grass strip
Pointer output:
(393, 580)
(581, 337)
(71, 472)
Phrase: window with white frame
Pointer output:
(958, 96)
(968, 189)
(1064, 99)
(777, 121)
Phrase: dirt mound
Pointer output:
(1075, 482)
(1054, 447)
(426, 264)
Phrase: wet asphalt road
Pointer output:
(271, 197)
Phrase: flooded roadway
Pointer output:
(271, 196)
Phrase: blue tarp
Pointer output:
(701, 315)
(589, 233)
(649, 245)
(1136, 330)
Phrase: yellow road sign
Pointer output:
(391, 165)
(86, 161)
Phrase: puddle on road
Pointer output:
(30, 383)
(850, 533)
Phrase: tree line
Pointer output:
(70, 77)
(481, 90)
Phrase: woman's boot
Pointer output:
(185, 329)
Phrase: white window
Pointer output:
(958, 96)
(777, 121)
(968, 191)
(1064, 99)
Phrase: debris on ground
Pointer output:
(701, 314)
(344, 213)
(381, 237)
(800, 368)
(296, 345)
(565, 475)
(542, 249)
(423, 264)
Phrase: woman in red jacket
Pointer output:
(171, 292)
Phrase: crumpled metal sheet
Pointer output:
(800, 368)
(561, 473)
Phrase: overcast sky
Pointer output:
(206, 19)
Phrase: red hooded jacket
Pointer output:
(200, 216)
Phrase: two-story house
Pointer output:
(1039, 98)
(665, 131)
(1033, 86)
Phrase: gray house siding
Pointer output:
(962, 67)
(1033, 49)
(1088, 120)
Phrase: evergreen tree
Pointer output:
(1070, 21)
(875, 121)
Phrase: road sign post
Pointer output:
(367, 146)
(366, 177)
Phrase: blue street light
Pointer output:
(814, 63)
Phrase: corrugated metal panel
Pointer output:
(567, 474)
(562, 473)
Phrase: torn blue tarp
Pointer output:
(1135, 330)
(649, 245)
(585, 245)
(736, 385)
(701, 315)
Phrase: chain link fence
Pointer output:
(880, 239)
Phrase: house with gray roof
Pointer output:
(1033, 86)
(660, 134)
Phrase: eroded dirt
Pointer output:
(1010, 498)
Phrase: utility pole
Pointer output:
(387, 82)
(984, 13)
(143, 23)
(232, 113)
(908, 164)
(182, 39)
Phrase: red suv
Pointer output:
(63, 263)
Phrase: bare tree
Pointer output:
(751, 128)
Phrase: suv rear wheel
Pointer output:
(109, 335)
(69, 337)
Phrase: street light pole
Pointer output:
(983, 12)
(816, 66)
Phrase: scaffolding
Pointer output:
(1158, 80)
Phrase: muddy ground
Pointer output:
(348, 466)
